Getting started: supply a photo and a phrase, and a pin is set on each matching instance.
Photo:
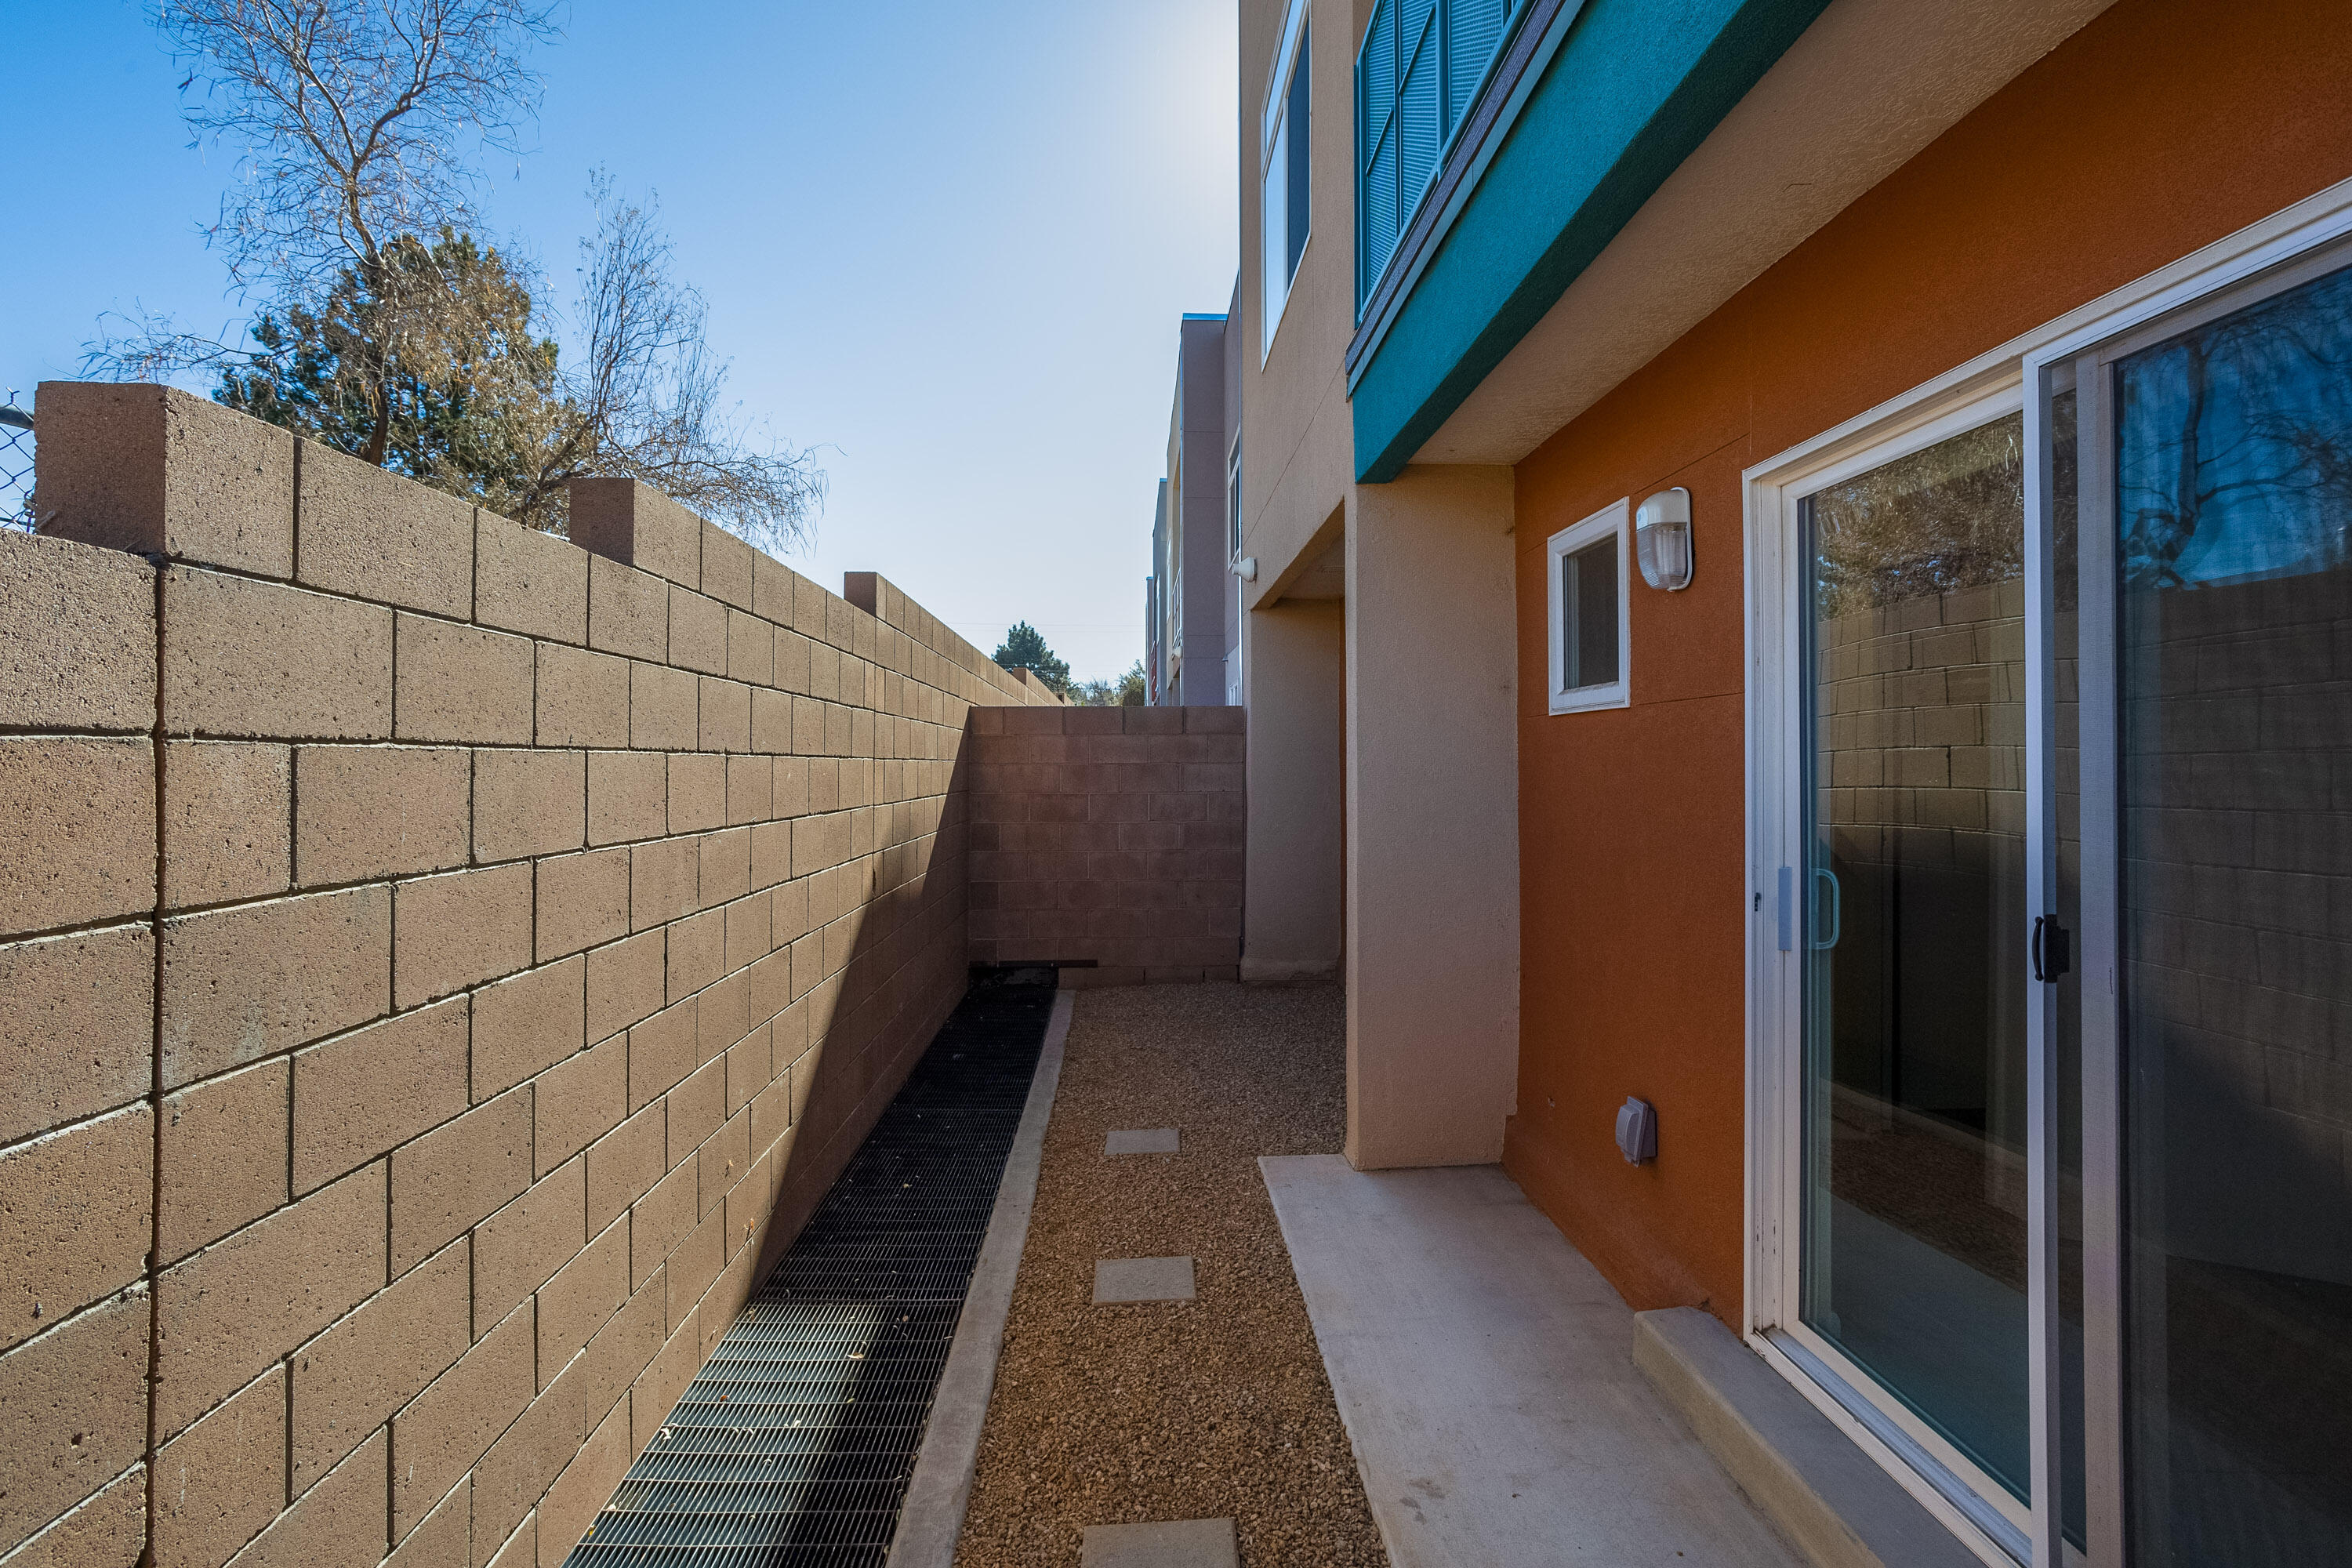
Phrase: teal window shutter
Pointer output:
(1417, 76)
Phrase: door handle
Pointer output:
(2053, 950)
(1837, 909)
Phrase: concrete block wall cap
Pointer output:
(158, 471)
(638, 526)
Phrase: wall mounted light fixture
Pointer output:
(1662, 539)
(1246, 568)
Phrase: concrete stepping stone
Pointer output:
(1182, 1543)
(1142, 1141)
(1142, 1280)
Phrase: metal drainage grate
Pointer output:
(795, 1442)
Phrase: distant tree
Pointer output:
(1120, 691)
(1130, 686)
(1023, 647)
(387, 330)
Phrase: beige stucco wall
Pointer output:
(1432, 871)
(440, 967)
(1297, 789)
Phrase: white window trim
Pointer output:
(1277, 93)
(1983, 388)
(1616, 518)
(1233, 501)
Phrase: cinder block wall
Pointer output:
(439, 963)
(1110, 834)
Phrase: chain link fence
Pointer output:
(16, 463)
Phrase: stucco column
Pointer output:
(1295, 666)
(1432, 852)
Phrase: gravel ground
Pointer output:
(1203, 1409)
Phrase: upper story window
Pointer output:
(1416, 77)
(1284, 165)
(1233, 501)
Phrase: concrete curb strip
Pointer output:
(930, 1520)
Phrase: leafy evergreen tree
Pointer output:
(1023, 647)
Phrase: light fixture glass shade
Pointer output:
(1662, 539)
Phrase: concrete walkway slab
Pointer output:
(1182, 1543)
(1140, 1140)
(1484, 1372)
(1142, 1280)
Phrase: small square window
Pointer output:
(1592, 647)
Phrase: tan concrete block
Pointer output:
(582, 1296)
(583, 901)
(233, 1309)
(452, 1422)
(808, 726)
(360, 1096)
(726, 723)
(73, 1413)
(664, 882)
(624, 982)
(788, 912)
(221, 1480)
(663, 715)
(520, 1549)
(693, 1265)
(583, 1489)
(461, 684)
(75, 1207)
(726, 866)
(628, 610)
(792, 662)
(628, 796)
(698, 791)
(155, 470)
(727, 566)
(772, 1112)
(751, 789)
(820, 843)
(524, 1026)
(697, 953)
(224, 1156)
(772, 853)
(459, 930)
(339, 1523)
(350, 1380)
(519, 1248)
(108, 1530)
(751, 649)
(459, 1174)
(696, 1109)
(725, 1159)
(72, 847)
(666, 1382)
(698, 632)
(77, 637)
(725, 1015)
(811, 607)
(636, 524)
(774, 587)
(624, 1166)
(771, 984)
(77, 1027)
(528, 582)
(662, 1051)
(582, 697)
(749, 1068)
(375, 535)
(771, 721)
(366, 812)
(250, 981)
(662, 1219)
(529, 802)
(578, 1102)
(225, 811)
(442, 1538)
(257, 658)
(748, 930)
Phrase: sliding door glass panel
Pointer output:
(1914, 1260)
(2067, 1041)
(2232, 449)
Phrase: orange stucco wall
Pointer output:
(2162, 126)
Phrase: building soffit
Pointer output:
(1672, 215)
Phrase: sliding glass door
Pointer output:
(2062, 808)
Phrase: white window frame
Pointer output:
(1987, 1522)
(1273, 183)
(1234, 502)
(1616, 518)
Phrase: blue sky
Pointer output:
(949, 242)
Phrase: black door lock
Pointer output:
(2053, 950)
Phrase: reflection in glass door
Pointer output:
(1914, 1262)
(2226, 484)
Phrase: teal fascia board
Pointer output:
(1632, 91)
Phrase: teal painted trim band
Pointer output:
(1632, 92)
